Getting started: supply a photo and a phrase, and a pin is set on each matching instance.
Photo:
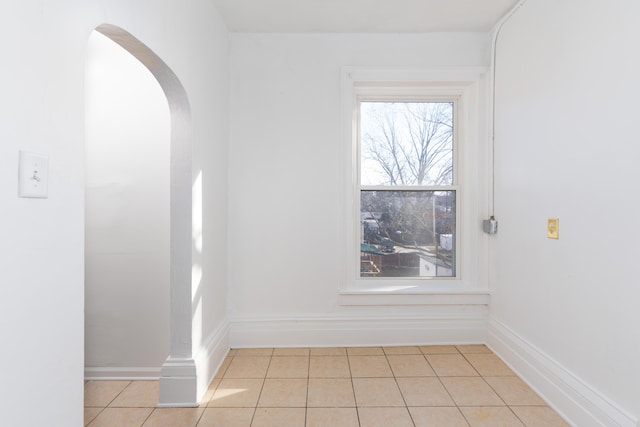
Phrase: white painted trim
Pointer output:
(461, 325)
(117, 373)
(378, 297)
(468, 86)
(568, 394)
(178, 383)
(211, 356)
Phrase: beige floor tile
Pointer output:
(491, 417)
(401, 350)
(410, 366)
(328, 351)
(369, 367)
(279, 417)
(539, 416)
(248, 367)
(377, 392)
(329, 367)
(138, 394)
(242, 352)
(283, 393)
(90, 414)
(226, 417)
(427, 391)
(204, 401)
(451, 365)
(332, 417)
(439, 349)
(330, 393)
(174, 417)
(469, 391)
(438, 417)
(101, 393)
(291, 352)
(474, 348)
(224, 367)
(489, 365)
(288, 367)
(384, 417)
(514, 391)
(232, 352)
(121, 417)
(237, 393)
(365, 351)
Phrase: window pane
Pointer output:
(407, 233)
(406, 143)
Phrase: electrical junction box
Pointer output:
(490, 226)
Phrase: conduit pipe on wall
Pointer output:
(491, 225)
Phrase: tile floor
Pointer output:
(427, 386)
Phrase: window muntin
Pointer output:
(407, 188)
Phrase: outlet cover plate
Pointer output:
(553, 225)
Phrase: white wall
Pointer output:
(286, 166)
(567, 147)
(42, 241)
(126, 213)
(208, 59)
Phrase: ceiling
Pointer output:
(361, 16)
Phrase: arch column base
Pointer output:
(178, 384)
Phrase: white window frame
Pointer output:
(465, 86)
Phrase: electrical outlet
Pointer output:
(553, 225)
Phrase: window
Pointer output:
(415, 173)
(407, 186)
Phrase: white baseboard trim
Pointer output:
(570, 396)
(110, 373)
(178, 384)
(466, 327)
(211, 356)
(395, 297)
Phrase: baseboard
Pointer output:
(111, 373)
(570, 396)
(178, 383)
(211, 356)
(180, 386)
(465, 327)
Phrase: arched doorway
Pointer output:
(178, 373)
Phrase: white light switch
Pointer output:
(33, 172)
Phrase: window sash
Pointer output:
(454, 187)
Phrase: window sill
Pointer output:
(413, 295)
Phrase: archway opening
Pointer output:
(138, 225)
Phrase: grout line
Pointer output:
(147, 418)
(119, 393)
(95, 416)
(201, 414)
(264, 380)
(395, 380)
(353, 388)
(306, 403)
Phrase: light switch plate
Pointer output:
(33, 175)
(553, 225)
